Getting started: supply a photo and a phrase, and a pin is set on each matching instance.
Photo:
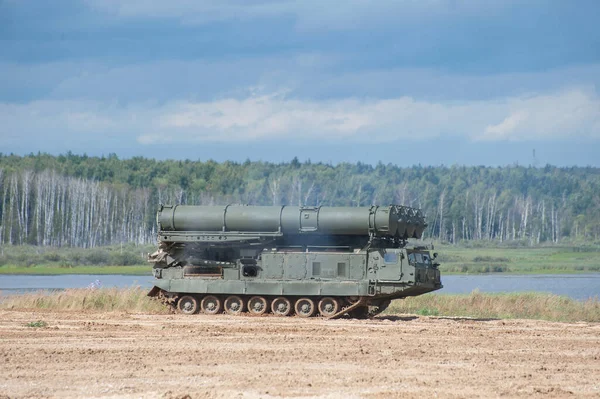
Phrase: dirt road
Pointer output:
(174, 356)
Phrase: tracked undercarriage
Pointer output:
(327, 307)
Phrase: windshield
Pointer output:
(419, 258)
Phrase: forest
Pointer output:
(83, 201)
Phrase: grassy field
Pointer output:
(145, 270)
(122, 259)
(455, 259)
(475, 305)
(527, 260)
(531, 305)
(104, 299)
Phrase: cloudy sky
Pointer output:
(430, 82)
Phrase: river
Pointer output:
(576, 286)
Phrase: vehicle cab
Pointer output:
(424, 266)
(402, 271)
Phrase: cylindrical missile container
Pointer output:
(393, 221)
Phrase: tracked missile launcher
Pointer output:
(328, 261)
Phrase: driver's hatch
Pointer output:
(389, 265)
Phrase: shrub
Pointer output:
(76, 258)
(97, 257)
(125, 259)
(52, 257)
(428, 312)
(490, 259)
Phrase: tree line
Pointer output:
(81, 201)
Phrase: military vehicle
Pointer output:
(285, 260)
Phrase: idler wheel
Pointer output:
(257, 305)
(328, 306)
(234, 305)
(281, 306)
(187, 304)
(210, 304)
(305, 307)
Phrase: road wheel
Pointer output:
(328, 306)
(187, 304)
(234, 305)
(257, 305)
(281, 306)
(305, 307)
(210, 304)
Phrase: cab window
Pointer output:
(419, 258)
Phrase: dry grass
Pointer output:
(104, 299)
(501, 306)
(478, 305)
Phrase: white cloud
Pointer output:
(566, 114)
(308, 75)
(570, 114)
(507, 127)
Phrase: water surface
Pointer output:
(577, 286)
(14, 283)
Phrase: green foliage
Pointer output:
(77, 200)
(427, 312)
(52, 257)
(125, 258)
(490, 259)
(69, 269)
(131, 259)
(37, 324)
(46, 258)
(494, 257)
(97, 256)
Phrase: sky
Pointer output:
(431, 82)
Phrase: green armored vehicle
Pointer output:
(307, 261)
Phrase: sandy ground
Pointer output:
(176, 356)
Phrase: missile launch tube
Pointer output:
(392, 221)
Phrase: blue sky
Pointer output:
(430, 82)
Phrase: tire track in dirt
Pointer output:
(171, 356)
